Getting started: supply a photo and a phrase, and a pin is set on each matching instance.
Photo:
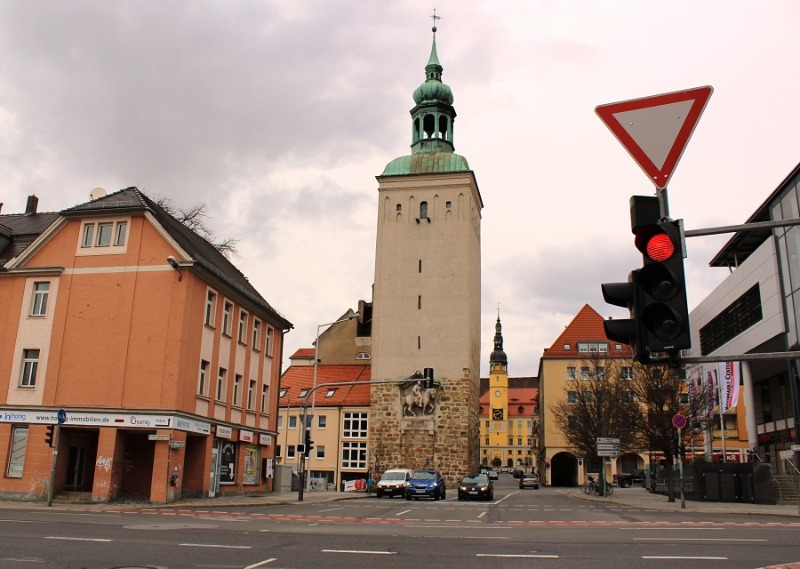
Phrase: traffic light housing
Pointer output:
(655, 294)
(309, 444)
(48, 437)
(428, 375)
(661, 308)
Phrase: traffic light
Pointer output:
(309, 444)
(655, 294)
(48, 438)
(661, 308)
(428, 375)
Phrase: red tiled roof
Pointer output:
(517, 397)
(297, 378)
(303, 353)
(587, 326)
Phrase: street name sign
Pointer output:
(655, 130)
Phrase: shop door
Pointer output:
(76, 465)
(213, 487)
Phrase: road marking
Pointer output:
(261, 563)
(359, 551)
(482, 514)
(684, 557)
(77, 538)
(401, 513)
(694, 539)
(518, 555)
(672, 529)
(215, 545)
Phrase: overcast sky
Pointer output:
(279, 115)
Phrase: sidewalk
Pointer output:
(641, 498)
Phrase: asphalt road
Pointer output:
(520, 529)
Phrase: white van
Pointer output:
(393, 482)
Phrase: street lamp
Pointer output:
(306, 428)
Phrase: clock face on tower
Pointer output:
(497, 414)
(497, 393)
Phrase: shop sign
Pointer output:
(246, 436)
(224, 432)
(265, 440)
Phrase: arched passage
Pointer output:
(564, 469)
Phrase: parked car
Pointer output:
(393, 482)
(627, 480)
(476, 486)
(529, 480)
(426, 484)
(505, 470)
(517, 473)
(492, 474)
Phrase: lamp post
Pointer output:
(305, 481)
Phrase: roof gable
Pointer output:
(296, 379)
(587, 326)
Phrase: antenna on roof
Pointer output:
(97, 193)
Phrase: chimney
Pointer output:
(30, 207)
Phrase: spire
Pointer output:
(498, 355)
(432, 118)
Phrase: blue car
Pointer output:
(426, 484)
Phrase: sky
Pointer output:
(279, 114)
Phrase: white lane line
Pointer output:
(215, 546)
(517, 555)
(359, 551)
(661, 528)
(401, 513)
(684, 557)
(77, 538)
(695, 539)
(482, 514)
(261, 563)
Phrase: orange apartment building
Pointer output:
(154, 357)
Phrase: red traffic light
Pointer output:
(660, 247)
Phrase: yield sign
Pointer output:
(655, 130)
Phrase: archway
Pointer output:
(564, 469)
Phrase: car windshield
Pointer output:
(530, 476)
(394, 476)
(425, 475)
(476, 479)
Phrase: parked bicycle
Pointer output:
(594, 487)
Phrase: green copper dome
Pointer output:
(432, 150)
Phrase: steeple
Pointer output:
(432, 118)
(498, 356)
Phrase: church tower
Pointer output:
(498, 392)
(426, 297)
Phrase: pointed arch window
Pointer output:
(423, 210)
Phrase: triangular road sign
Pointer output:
(655, 130)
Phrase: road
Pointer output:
(543, 528)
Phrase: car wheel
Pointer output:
(408, 497)
(460, 498)
(625, 484)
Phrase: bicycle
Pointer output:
(593, 487)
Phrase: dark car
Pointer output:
(426, 484)
(529, 480)
(517, 473)
(476, 486)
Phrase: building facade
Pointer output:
(153, 359)
(755, 311)
(426, 296)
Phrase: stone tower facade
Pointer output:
(426, 298)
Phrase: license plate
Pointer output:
(473, 492)
(419, 491)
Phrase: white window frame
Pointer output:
(103, 236)
(242, 331)
(227, 317)
(16, 455)
(222, 376)
(354, 455)
(571, 373)
(237, 390)
(320, 451)
(211, 307)
(264, 398)
(30, 367)
(355, 425)
(251, 395)
(322, 421)
(256, 334)
(290, 452)
(292, 421)
(626, 373)
(270, 338)
(202, 380)
(39, 296)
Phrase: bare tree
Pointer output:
(598, 403)
(659, 390)
(196, 219)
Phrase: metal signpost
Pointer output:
(606, 447)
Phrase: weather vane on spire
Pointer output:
(434, 18)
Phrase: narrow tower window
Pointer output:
(398, 207)
(420, 266)
(423, 210)
(419, 302)
(419, 342)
